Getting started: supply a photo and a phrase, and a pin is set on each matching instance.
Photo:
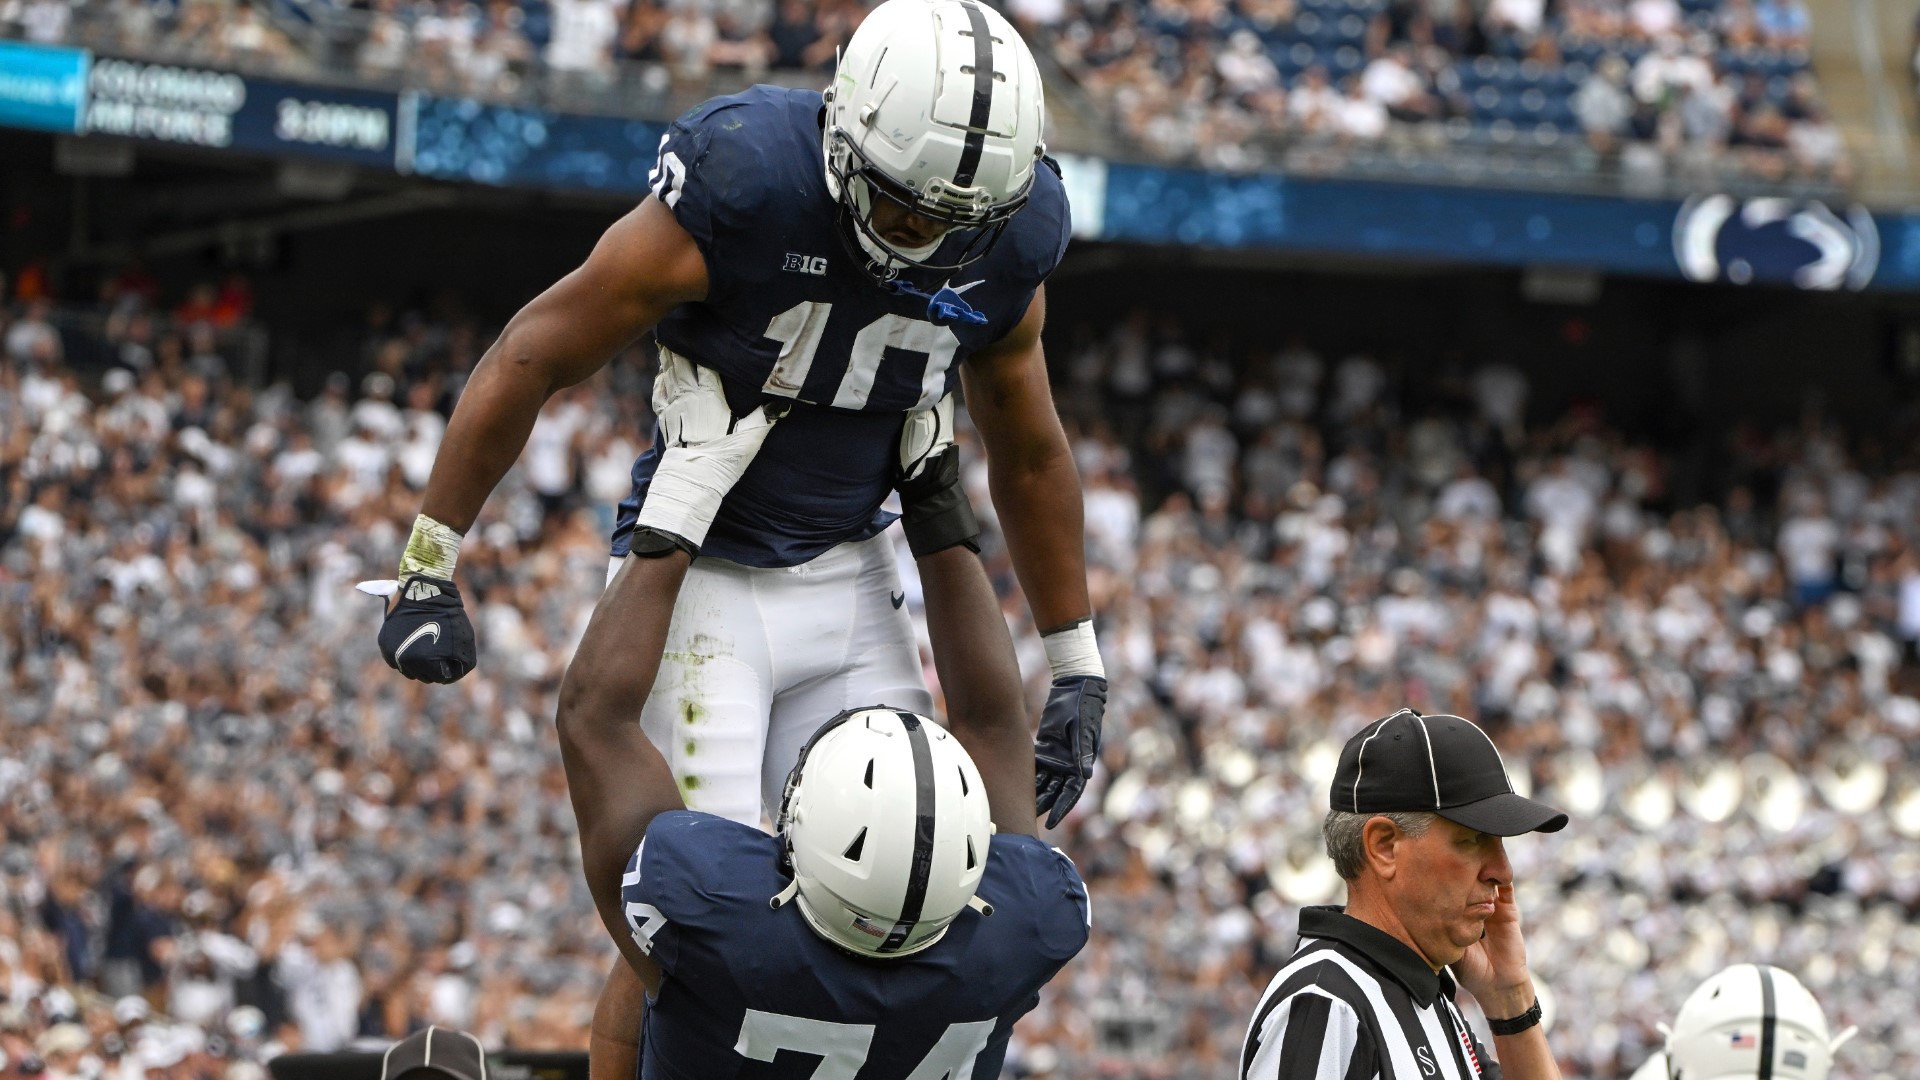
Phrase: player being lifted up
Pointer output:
(887, 930)
(850, 256)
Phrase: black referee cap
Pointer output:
(434, 1053)
(1442, 764)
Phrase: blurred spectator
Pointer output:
(385, 48)
(32, 337)
(1362, 116)
(44, 21)
(1314, 107)
(1392, 81)
(1602, 103)
(1783, 23)
(322, 985)
(1654, 20)
(1519, 17)
(796, 37)
(1663, 72)
(583, 33)
(1819, 150)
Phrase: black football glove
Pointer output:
(1068, 744)
(426, 635)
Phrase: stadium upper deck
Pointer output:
(1639, 97)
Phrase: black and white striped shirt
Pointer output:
(1355, 1003)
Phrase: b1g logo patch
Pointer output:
(806, 264)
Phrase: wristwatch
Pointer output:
(1516, 1024)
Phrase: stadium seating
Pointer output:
(1484, 84)
(1169, 84)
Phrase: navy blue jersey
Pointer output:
(791, 313)
(750, 992)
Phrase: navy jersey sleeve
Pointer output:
(711, 174)
(1039, 236)
(664, 892)
(1059, 217)
(1042, 880)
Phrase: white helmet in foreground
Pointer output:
(884, 827)
(1751, 1022)
(936, 106)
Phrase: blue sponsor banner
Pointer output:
(1803, 244)
(42, 86)
(456, 139)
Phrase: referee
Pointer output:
(1419, 806)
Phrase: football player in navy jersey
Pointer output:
(888, 930)
(846, 258)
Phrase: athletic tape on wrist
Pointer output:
(679, 500)
(1072, 650)
(433, 549)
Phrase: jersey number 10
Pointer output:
(798, 330)
(842, 1048)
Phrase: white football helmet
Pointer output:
(884, 827)
(1746, 1016)
(937, 106)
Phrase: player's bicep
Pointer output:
(1008, 395)
(643, 266)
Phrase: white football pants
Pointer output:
(758, 659)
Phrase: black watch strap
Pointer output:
(1517, 1024)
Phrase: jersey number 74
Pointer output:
(843, 1048)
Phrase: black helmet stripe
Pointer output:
(1767, 1022)
(982, 96)
(922, 871)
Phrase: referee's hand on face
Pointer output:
(1494, 969)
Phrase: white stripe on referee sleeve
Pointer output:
(1337, 1045)
(1399, 1050)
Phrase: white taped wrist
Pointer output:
(433, 549)
(1073, 651)
(684, 496)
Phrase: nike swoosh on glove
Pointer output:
(426, 635)
(1068, 744)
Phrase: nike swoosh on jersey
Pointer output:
(430, 628)
(963, 288)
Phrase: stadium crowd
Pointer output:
(230, 830)
(1682, 87)
(1694, 90)
(497, 49)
